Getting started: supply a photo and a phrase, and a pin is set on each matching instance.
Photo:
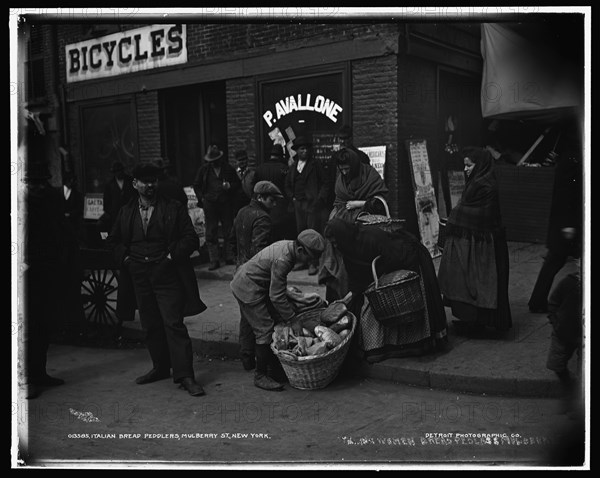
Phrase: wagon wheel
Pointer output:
(99, 295)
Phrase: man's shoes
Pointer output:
(153, 375)
(47, 381)
(267, 383)
(278, 374)
(249, 363)
(229, 262)
(299, 266)
(214, 265)
(32, 391)
(312, 270)
(193, 387)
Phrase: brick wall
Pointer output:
(241, 129)
(148, 126)
(234, 41)
(375, 113)
(417, 118)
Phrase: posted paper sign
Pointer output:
(93, 206)
(377, 156)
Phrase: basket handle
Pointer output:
(375, 272)
(385, 205)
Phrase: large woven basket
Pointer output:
(396, 298)
(378, 220)
(320, 371)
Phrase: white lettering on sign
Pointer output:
(318, 104)
(154, 46)
(377, 156)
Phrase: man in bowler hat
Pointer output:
(152, 239)
(308, 187)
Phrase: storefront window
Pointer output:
(316, 106)
(109, 134)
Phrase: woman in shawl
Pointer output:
(473, 273)
(359, 245)
(356, 187)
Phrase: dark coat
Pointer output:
(172, 188)
(275, 171)
(114, 198)
(182, 241)
(228, 173)
(251, 231)
(317, 187)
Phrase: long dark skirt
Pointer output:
(500, 318)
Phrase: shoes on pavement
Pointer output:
(312, 270)
(47, 381)
(193, 387)
(267, 383)
(249, 363)
(153, 375)
(278, 374)
(214, 265)
(32, 391)
(299, 266)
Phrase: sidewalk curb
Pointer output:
(521, 387)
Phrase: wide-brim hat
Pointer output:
(213, 154)
(301, 141)
(117, 166)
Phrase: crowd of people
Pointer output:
(269, 220)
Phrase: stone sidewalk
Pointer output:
(512, 364)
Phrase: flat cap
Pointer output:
(267, 187)
(312, 241)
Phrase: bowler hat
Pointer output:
(301, 141)
(277, 151)
(241, 156)
(267, 188)
(117, 166)
(345, 131)
(37, 171)
(145, 170)
(213, 153)
(312, 241)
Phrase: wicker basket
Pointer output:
(396, 298)
(378, 220)
(442, 234)
(320, 371)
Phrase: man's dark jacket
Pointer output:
(182, 241)
(317, 189)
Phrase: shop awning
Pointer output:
(526, 78)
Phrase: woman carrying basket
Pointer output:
(356, 188)
(360, 245)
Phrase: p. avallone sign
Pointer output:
(145, 48)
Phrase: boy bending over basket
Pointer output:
(260, 286)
